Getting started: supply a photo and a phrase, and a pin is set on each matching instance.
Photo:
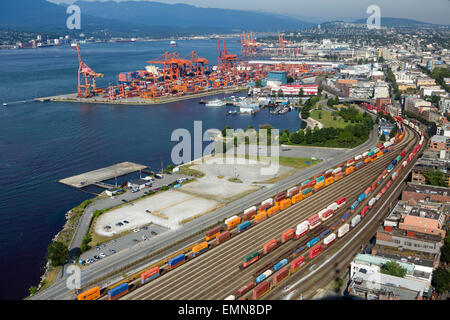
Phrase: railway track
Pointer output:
(215, 274)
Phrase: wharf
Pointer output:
(97, 177)
(138, 100)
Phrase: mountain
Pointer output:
(135, 18)
(399, 22)
(183, 15)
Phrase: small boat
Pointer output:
(173, 43)
(202, 101)
(232, 112)
(215, 103)
(5, 104)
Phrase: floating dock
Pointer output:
(97, 177)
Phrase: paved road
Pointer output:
(111, 263)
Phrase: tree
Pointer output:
(441, 280)
(280, 93)
(32, 290)
(394, 269)
(435, 178)
(57, 253)
(445, 251)
(301, 93)
(320, 115)
(258, 83)
(85, 243)
(383, 138)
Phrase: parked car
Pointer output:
(124, 200)
(145, 228)
(144, 237)
(154, 233)
(126, 221)
(159, 176)
(102, 255)
(135, 190)
(96, 257)
(119, 224)
(112, 251)
(136, 230)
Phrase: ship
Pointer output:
(215, 103)
(173, 43)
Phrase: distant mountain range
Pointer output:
(138, 18)
(399, 22)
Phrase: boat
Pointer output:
(5, 104)
(215, 103)
(232, 112)
(173, 43)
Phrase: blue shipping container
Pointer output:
(361, 198)
(355, 205)
(299, 250)
(324, 234)
(117, 290)
(312, 242)
(243, 226)
(345, 217)
(176, 260)
(280, 264)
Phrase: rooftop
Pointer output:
(426, 189)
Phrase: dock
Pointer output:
(72, 97)
(97, 177)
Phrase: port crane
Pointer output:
(86, 77)
(227, 61)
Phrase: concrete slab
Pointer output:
(96, 176)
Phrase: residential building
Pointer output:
(425, 193)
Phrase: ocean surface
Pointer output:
(41, 143)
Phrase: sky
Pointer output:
(433, 11)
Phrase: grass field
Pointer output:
(327, 119)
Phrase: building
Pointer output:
(444, 105)
(438, 143)
(276, 78)
(424, 165)
(430, 115)
(138, 183)
(416, 105)
(425, 193)
(382, 102)
(294, 89)
(381, 90)
(112, 192)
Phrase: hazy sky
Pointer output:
(434, 11)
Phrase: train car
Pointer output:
(345, 216)
(350, 162)
(263, 276)
(334, 206)
(328, 241)
(213, 233)
(176, 261)
(315, 251)
(349, 170)
(221, 238)
(402, 154)
(379, 154)
(343, 230)
(341, 201)
(336, 171)
(312, 242)
(279, 197)
(335, 225)
(358, 157)
(329, 181)
(314, 221)
(119, 291)
(302, 229)
(199, 249)
(270, 246)
(319, 185)
(364, 211)
(273, 210)
(304, 183)
(260, 290)
(361, 197)
(267, 201)
(356, 219)
(359, 165)
(378, 197)
(260, 217)
(243, 226)
(374, 184)
(368, 191)
(391, 166)
(249, 213)
(354, 206)
(311, 184)
(250, 258)
(232, 222)
(307, 192)
(287, 235)
(372, 202)
(324, 234)
(246, 288)
(297, 198)
(280, 276)
(284, 204)
(280, 264)
(297, 263)
(367, 160)
(394, 175)
(292, 191)
(320, 179)
(91, 294)
(325, 214)
(338, 176)
(365, 155)
(298, 251)
(150, 274)
(263, 207)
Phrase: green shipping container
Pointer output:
(251, 256)
(306, 191)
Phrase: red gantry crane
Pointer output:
(86, 77)
(227, 61)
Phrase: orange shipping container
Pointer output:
(338, 176)
(200, 247)
(233, 222)
(319, 185)
(297, 198)
(284, 204)
(90, 294)
(349, 170)
(329, 181)
(379, 154)
(368, 160)
(261, 216)
(273, 210)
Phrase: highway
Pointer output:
(216, 274)
(96, 273)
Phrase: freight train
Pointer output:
(268, 208)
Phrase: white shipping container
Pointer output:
(394, 175)
(365, 154)
(229, 219)
(337, 170)
(302, 227)
(270, 200)
(329, 239)
(343, 230)
(321, 212)
(404, 163)
(356, 219)
(250, 209)
(333, 206)
(358, 157)
(230, 298)
(378, 196)
(372, 202)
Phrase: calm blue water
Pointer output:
(41, 143)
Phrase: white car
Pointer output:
(136, 230)
(144, 238)
(102, 255)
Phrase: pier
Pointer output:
(97, 177)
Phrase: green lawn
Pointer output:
(327, 119)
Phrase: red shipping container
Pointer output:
(264, 206)
(280, 276)
(269, 246)
(387, 229)
(297, 263)
(315, 251)
(280, 197)
(260, 290)
(223, 237)
(213, 231)
(246, 288)
(249, 215)
(364, 211)
(287, 235)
